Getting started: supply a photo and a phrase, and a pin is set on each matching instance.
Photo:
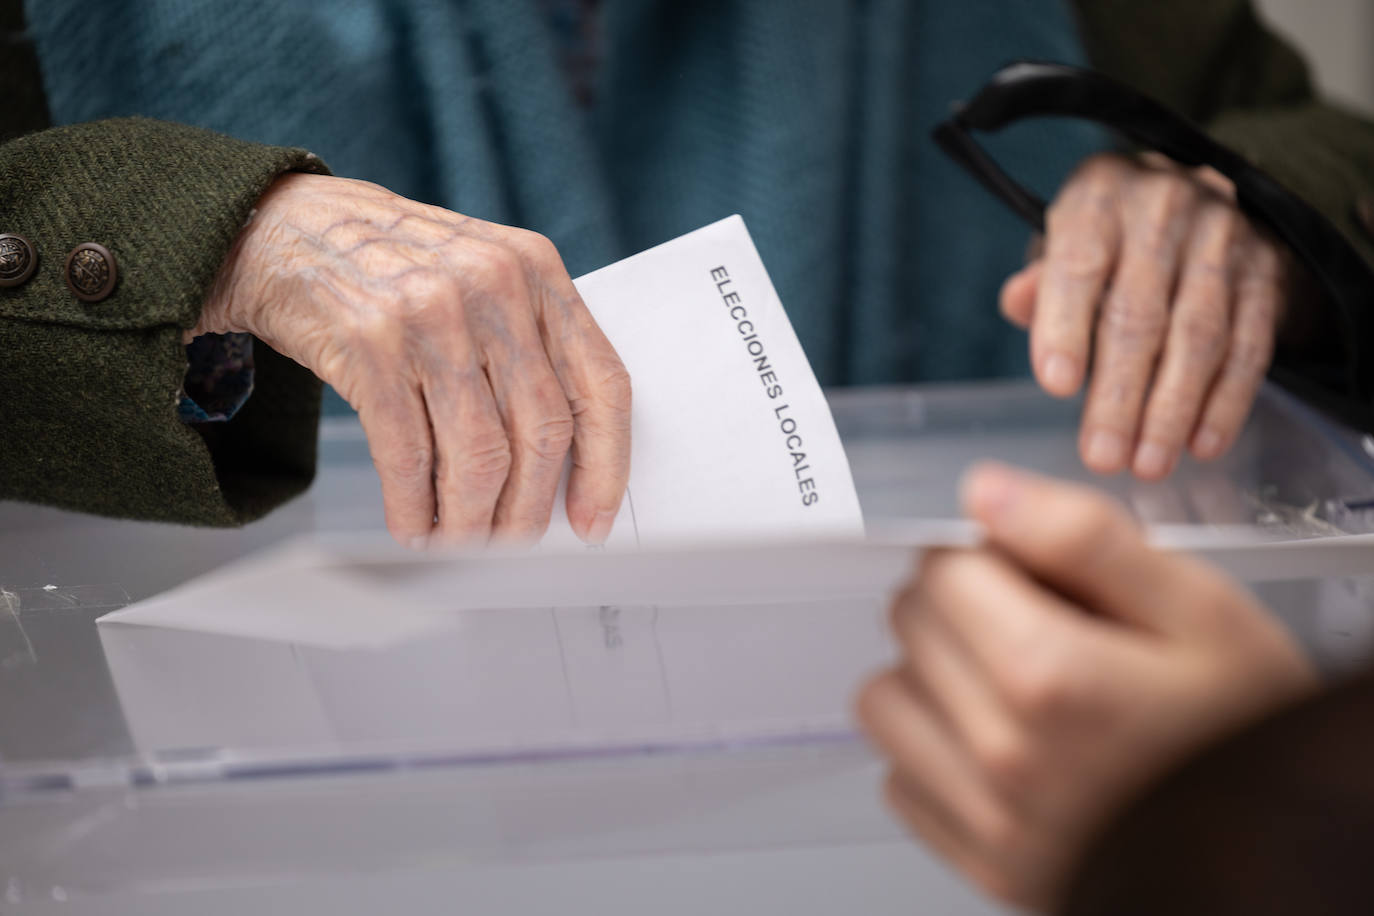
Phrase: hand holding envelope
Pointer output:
(469, 356)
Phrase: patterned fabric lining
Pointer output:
(219, 378)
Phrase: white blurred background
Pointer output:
(1337, 36)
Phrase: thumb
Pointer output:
(1017, 299)
(1080, 543)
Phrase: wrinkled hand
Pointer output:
(1151, 271)
(1046, 676)
(471, 360)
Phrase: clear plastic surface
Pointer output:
(108, 738)
(188, 698)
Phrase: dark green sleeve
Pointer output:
(89, 391)
(1216, 61)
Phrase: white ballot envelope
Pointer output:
(731, 434)
(354, 645)
(350, 643)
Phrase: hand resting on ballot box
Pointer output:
(1157, 290)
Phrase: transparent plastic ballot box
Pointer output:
(144, 767)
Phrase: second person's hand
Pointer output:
(1046, 676)
(472, 361)
(1155, 288)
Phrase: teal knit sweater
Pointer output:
(809, 117)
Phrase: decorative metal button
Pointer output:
(91, 272)
(17, 259)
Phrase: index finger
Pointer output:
(1079, 542)
(1081, 242)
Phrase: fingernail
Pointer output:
(1060, 374)
(1208, 443)
(990, 489)
(600, 528)
(1153, 460)
(418, 543)
(1106, 451)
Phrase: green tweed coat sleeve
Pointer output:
(1216, 61)
(88, 391)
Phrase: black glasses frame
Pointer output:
(1031, 89)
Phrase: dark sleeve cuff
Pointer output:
(89, 390)
(1325, 156)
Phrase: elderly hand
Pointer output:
(1046, 676)
(1191, 296)
(471, 360)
